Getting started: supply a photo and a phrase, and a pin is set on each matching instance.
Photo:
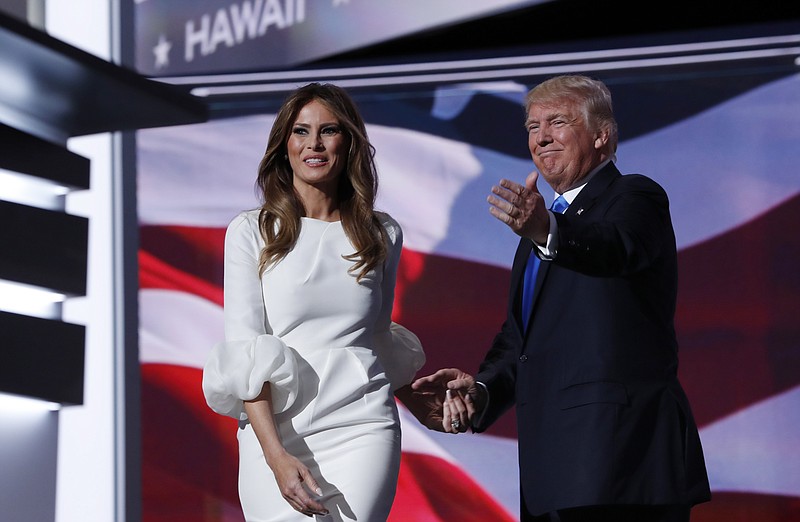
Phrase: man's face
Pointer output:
(562, 146)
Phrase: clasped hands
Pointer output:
(445, 401)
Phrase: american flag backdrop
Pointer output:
(726, 147)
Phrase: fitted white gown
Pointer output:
(332, 356)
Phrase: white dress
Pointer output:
(333, 357)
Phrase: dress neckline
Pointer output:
(316, 220)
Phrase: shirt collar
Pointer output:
(571, 194)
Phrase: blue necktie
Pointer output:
(559, 206)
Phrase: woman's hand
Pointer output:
(296, 484)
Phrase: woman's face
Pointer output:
(317, 149)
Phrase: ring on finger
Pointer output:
(455, 424)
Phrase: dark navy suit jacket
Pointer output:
(601, 416)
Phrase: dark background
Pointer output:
(563, 24)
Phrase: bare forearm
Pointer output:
(293, 477)
(262, 419)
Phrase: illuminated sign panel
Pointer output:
(175, 37)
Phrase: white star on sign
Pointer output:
(161, 50)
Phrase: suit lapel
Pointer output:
(580, 206)
(593, 190)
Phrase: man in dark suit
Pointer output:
(588, 352)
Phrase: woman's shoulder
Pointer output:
(392, 227)
(245, 216)
(244, 224)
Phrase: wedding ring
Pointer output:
(455, 424)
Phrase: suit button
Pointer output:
(523, 358)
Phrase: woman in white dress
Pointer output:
(311, 360)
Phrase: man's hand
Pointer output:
(521, 207)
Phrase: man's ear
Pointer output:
(601, 140)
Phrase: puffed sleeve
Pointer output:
(237, 368)
(401, 354)
(399, 350)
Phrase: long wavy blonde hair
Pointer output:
(281, 209)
